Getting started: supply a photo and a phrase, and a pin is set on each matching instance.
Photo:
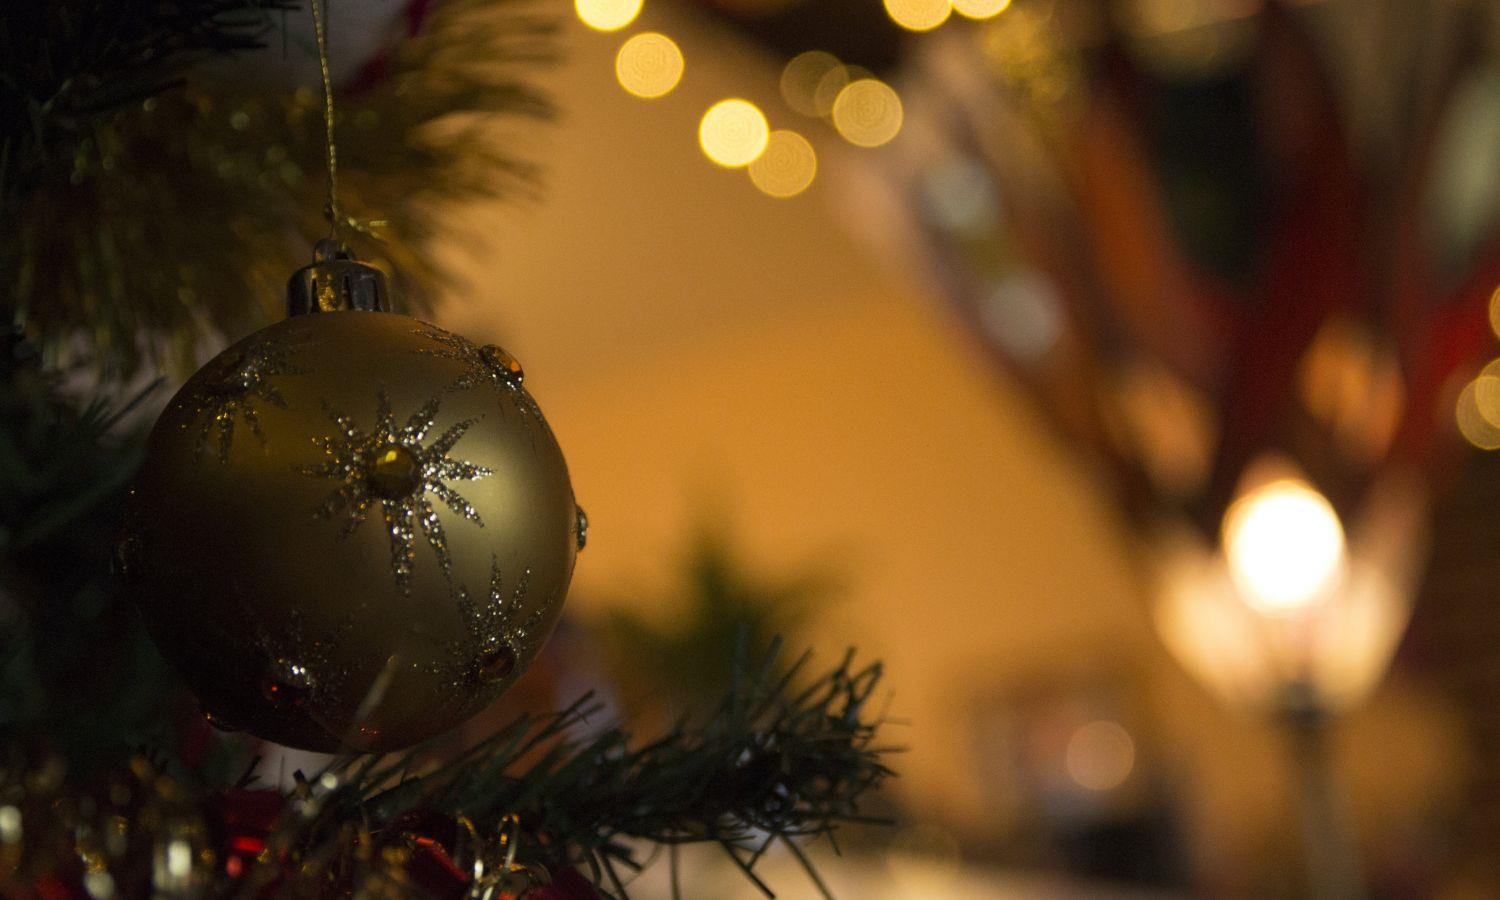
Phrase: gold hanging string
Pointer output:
(321, 33)
(331, 210)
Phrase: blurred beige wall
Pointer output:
(697, 344)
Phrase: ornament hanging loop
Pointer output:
(335, 281)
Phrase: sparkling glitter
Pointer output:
(372, 469)
(231, 394)
(488, 364)
(286, 684)
(582, 526)
(498, 635)
(302, 669)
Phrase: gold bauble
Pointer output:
(353, 530)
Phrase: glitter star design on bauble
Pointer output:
(390, 468)
(243, 381)
(487, 364)
(301, 663)
(497, 632)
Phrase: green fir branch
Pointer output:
(776, 760)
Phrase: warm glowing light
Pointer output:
(867, 113)
(1203, 622)
(1100, 755)
(733, 133)
(1285, 546)
(786, 167)
(1473, 424)
(649, 65)
(980, 9)
(800, 80)
(607, 15)
(919, 15)
(1339, 648)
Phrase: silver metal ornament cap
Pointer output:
(335, 281)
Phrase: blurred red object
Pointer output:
(1191, 271)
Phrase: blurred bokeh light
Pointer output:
(919, 15)
(980, 9)
(649, 65)
(1100, 755)
(733, 133)
(867, 112)
(800, 79)
(1285, 545)
(607, 15)
(787, 166)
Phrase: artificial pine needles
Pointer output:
(782, 757)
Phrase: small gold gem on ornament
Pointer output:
(286, 684)
(505, 366)
(489, 364)
(497, 662)
(582, 526)
(394, 473)
(390, 466)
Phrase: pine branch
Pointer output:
(64, 63)
(770, 762)
(785, 758)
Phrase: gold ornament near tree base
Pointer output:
(353, 530)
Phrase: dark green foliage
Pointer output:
(66, 63)
(138, 227)
(75, 663)
(680, 662)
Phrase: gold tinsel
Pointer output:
(179, 217)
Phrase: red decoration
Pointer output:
(245, 821)
(566, 885)
(433, 870)
(1185, 306)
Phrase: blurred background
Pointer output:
(1120, 373)
(978, 399)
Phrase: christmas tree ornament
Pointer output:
(353, 529)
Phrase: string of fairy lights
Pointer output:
(736, 134)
